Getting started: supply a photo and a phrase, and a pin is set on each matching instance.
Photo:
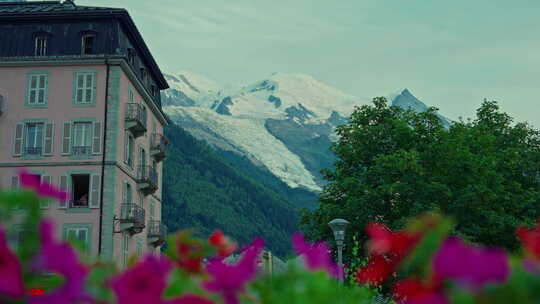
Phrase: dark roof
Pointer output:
(45, 6)
(31, 11)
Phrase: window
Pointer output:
(88, 44)
(143, 75)
(79, 235)
(130, 96)
(131, 56)
(37, 89)
(80, 189)
(125, 250)
(129, 194)
(82, 136)
(34, 139)
(41, 46)
(154, 90)
(84, 87)
(130, 146)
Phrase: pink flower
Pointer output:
(229, 280)
(189, 299)
(469, 265)
(31, 181)
(11, 283)
(316, 255)
(143, 283)
(61, 258)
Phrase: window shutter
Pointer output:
(96, 143)
(66, 138)
(45, 179)
(94, 87)
(46, 99)
(64, 185)
(15, 182)
(48, 145)
(18, 140)
(126, 147)
(94, 190)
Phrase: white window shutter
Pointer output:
(64, 185)
(96, 142)
(66, 138)
(95, 180)
(126, 147)
(18, 139)
(48, 138)
(46, 98)
(45, 179)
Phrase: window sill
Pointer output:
(78, 210)
(36, 106)
(84, 105)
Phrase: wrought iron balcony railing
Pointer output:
(134, 215)
(78, 203)
(157, 232)
(135, 118)
(81, 150)
(33, 150)
(147, 179)
(158, 145)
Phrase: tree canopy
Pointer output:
(395, 163)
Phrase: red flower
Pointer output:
(388, 249)
(376, 271)
(530, 239)
(224, 245)
(414, 291)
(188, 259)
(11, 283)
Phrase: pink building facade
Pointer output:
(82, 110)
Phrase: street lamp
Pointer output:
(338, 226)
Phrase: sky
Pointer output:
(450, 54)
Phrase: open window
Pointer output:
(81, 190)
(88, 42)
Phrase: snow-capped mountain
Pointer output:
(284, 123)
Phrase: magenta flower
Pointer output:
(143, 283)
(31, 181)
(469, 265)
(189, 299)
(230, 280)
(61, 258)
(316, 255)
(11, 283)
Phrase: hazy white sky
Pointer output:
(450, 54)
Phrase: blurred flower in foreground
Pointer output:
(469, 265)
(61, 258)
(316, 255)
(530, 239)
(189, 299)
(11, 283)
(414, 291)
(224, 245)
(144, 282)
(387, 250)
(32, 181)
(230, 280)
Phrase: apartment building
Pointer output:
(80, 107)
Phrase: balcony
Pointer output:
(135, 119)
(158, 145)
(80, 203)
(132, 218)
(147, 179)
(81, 150)
(32, 151)
(157, 232)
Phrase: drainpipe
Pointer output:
(103, 158)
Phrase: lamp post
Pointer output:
(339, 226)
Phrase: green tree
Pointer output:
(395, 163)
